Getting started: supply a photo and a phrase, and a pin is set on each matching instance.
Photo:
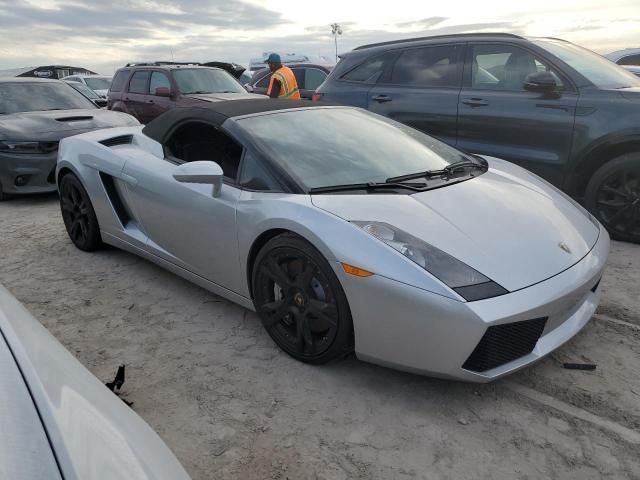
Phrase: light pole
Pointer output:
(336, 30)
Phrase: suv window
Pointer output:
(504, 67)
(201, 141)
(138, 82)
(118, 80)
(434, 66)
(313, 78)
(630, 60)
(369, 71)
(158, 80)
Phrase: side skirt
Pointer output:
(187, 275)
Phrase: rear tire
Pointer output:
(613, 196)
(78, 215)
(300, 301)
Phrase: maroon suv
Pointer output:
(148, 90)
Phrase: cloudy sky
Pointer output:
(106, 34)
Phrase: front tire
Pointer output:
(78, 215)
(300, 301)
(613, 196)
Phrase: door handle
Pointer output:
(133, 181)
(475, 102)
(381, 98)
(149, 101)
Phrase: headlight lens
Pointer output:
(8, 146)
(466, 281)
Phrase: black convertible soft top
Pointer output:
(217, 112)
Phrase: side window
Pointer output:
(299, 74)
(194, 141)
(158, 80)
(138, 82)
(504, 67)
(264, 81)
(369, 71)
(313, 78)
(436, 66)
(118, 80)
(630, 60)
(255, 175)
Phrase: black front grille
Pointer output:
(502, 344)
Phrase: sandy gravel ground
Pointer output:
(205, 375)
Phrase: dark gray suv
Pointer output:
(564, 112)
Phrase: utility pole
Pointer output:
(336, 29)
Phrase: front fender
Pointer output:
(337, 239)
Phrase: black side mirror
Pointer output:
(543, 82)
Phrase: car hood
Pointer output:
(508, 224)
(57, 124)
(220, 97)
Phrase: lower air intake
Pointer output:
(502, 344)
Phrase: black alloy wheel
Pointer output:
(613, 196)
(78, 214)
(301, 302)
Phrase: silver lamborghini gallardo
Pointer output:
(345, 231)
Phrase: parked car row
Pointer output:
(559, 110)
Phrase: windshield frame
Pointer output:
(178, 71)
(276, 166)
(554, 46)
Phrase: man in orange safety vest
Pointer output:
(283, 82)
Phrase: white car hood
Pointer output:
(507, 223)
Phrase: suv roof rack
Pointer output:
(451, 35)
(160, 63)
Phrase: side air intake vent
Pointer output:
(502, 344)
(120, 140)
(116, 201)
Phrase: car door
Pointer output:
(421, 89)
(312, 78)
(158, 104)
(184, 223)
(498, 117)
(136, 95)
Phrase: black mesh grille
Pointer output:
(501, 344)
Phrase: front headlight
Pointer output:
(466, 281)
(27, 147)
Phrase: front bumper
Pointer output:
(37, 172)
(406, 328)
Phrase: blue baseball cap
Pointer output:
(273, 58)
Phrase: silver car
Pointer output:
(34, 115)
(57, 421)
(345, 231)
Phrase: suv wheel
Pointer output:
(613, 196)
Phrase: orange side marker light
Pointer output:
(355, 271)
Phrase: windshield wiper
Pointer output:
(416, 187)
(446, 171)
(199, 92)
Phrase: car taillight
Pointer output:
(316, 97)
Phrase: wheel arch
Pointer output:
(599, 155)
(261, 240)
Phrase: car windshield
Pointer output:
(206, 80)
(98, 83)
(340, 146)
(35, 97)
(598, 70)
